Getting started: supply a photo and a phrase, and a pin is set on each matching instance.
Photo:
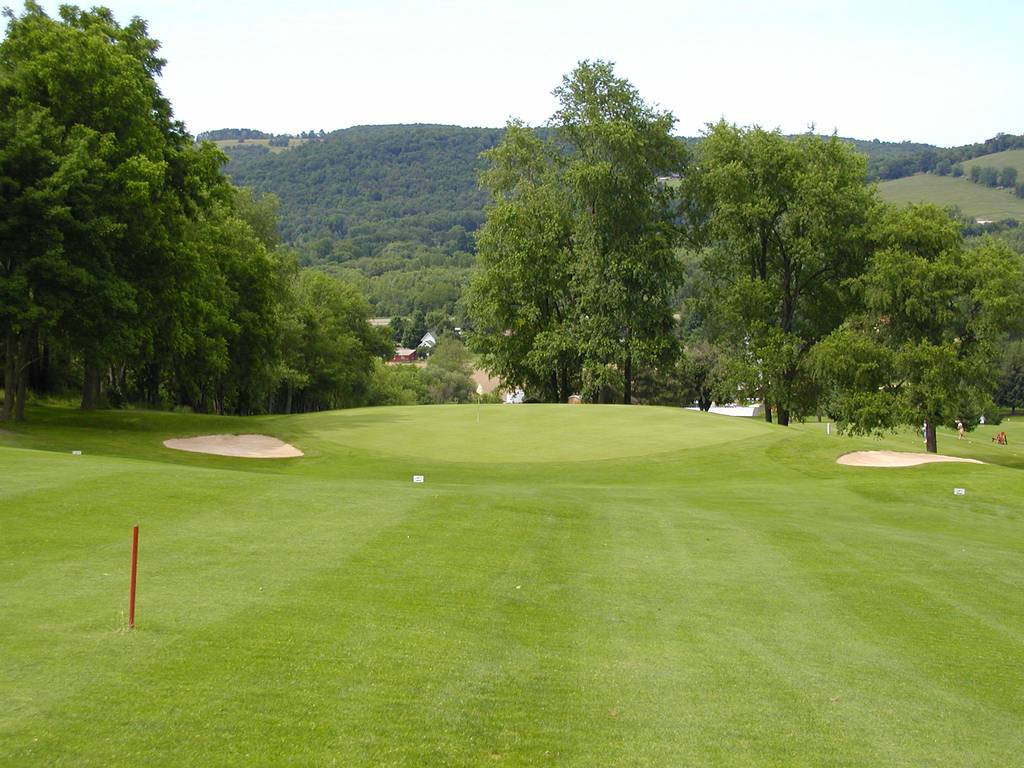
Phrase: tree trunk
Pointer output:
(288, 399)
(930, 442)
(21, 390)
(627, 380)
(39, 369)
(90, 384)
(782, 413)
(152, 385)
(767, 411)
(10, 374)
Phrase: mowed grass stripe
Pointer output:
(361, 621)
(213, 545)
(732, 603)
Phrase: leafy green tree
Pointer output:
(522, 299)
(577, 267)
(1008, 177)
(783, 228)
(446, 377)
(335, 345)
(988, 176)
(396, 385)
(124, 220)
(1010, 388)
(38, 164)
(924, 346)
(695, 377)
(626, 268)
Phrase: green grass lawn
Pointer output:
(231, 143)
(973, 199)
(1012, 158)
(571, 586)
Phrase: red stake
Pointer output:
(135, 564)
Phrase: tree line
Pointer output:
(989, 176)
(130, 267)
(908, 159)
(353, 201)
(799, 287)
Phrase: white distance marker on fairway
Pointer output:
(417, 478)
(959, 491)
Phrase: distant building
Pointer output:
(403, 355)
(515, 397)
(429, 341)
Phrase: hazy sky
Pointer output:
(940, 72)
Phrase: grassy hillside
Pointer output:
(1012, 158)
(228, 145)
(571, 586)
(974, 200)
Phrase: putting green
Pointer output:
(528, 433)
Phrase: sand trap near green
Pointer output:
(897, 459)
(530, 433)
(239, 446)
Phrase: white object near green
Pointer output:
(959, 491)
(417, 478)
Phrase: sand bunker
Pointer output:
(243, 446)
(896, 459)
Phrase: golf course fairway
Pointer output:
(568, 586)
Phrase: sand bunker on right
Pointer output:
(896, 459)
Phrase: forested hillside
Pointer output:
(392, 208)
(362, 188)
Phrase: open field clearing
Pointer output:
(231, 143)
(973, 199)
(1012, 158)
(570, 586)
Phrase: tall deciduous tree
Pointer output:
(125, 220)
(924, 346)
(783, 228)
(577, 266)
(522, 298)
(331, 360)
(626, 269)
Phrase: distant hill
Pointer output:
(973, 200)
(261, 146)
(362, 188)
(373, 185)
(391, 207)
(1011, 158)
(394, 207)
